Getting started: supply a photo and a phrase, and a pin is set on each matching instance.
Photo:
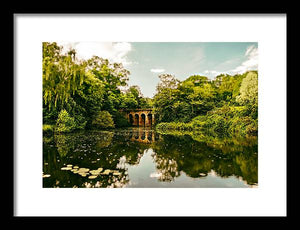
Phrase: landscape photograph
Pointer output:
(150, 114)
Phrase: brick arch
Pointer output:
(136, 119)
(131, 119)
(150, 118)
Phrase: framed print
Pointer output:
(150, 115)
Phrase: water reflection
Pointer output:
(139, 157)
(143, 135)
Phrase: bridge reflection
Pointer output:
(143, 135)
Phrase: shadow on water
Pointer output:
(138, 157)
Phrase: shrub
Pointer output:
(103, 120)
(120, 120)
(80, 121)
(65, 123)
(174, 126)
(220, 122)
(244, 126)
(198, 122)
(216, 124)
(48, 128)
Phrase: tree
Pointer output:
(135, 90)
(82, 88)
(199, 93)
(128, 101)
(249, 93)
(113, 76)
(103, 120)
(164, 104)
(89, 97)
(134, 99)
(182, 101)
(65, 123)
(62, 75)
(228, 87)
(167, 81)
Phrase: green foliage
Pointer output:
(103, 120)
(47, 128)
(65, 123)
(49, 115)
(244, 126)
(228, 87)
(120, 120)
(231, 121)
(128, 101)
(224, 121)
(249, 89)
(85, 94)
(225, 106)
(249, 93)
(84, 88)
(167, 81)
(133, 99)
(179, 126)
(191, 82)
(148, 102)
(183, 101)
(164, 105)
(62, 75)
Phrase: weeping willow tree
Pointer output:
(82, 88)
(62, 75)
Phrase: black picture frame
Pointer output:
(94, 220)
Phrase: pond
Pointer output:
(144, 158)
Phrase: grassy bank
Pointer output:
(224, 121)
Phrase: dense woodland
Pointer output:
(227, 105)
(79, 94)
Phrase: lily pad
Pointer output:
(92, 177)
(83, 170)
(66, 168)
(94, 172)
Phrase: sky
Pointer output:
(147, 60)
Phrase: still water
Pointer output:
(143, 158)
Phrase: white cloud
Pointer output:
(212, 73)
(122, 47)
(251, 63)
(114, 52)
(157, 70)
(156, 175)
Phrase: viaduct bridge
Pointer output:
(139, 117)
(143, 136)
